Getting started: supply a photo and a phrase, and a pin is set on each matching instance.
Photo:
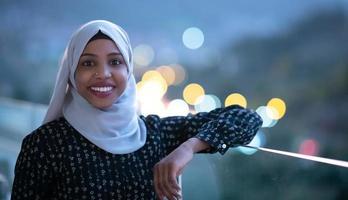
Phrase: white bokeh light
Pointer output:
(152, 107)
(207, 103)
(143, 55)
(217, 101)
(267, 120)
(258, 141)
(149, 91)
(177, 107)
(193, 38)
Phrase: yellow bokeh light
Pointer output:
(140, 84)
(151, 75)
(168, 73)
(192, 92)
(236, 99)
(278, 108)
(150, 90)
(156, 77)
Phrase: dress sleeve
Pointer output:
(220, 128)
(33, 175)
(232, 128)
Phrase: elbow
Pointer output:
(252, 124)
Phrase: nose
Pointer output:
(103, 72)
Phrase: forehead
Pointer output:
(101, 46)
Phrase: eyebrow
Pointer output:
(94, 55)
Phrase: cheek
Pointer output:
(121, 77)
(81, 80)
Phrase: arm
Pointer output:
(231, 128)
(221, 128)
(178, 129)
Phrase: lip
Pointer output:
(101, 94)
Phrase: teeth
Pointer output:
(101, 89)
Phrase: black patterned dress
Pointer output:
(57, 162)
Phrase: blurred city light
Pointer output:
(143, 55)
(156, 78)
(167, 73)
(180, 74)
(309, 147)
(258, 141)
(155, 106)
(177, 107)
(278, 108)
(193, 38)
(236, 99)
(149, 91)
(264, 111)
(192, 92)
(207, 103)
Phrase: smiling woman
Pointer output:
(93, 145)
(101, 75)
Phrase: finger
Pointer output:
(174, 183)
(164, 181)
(158, 191)
(171, 183)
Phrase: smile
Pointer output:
(101, 89)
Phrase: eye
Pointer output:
(87, 63)
(115, 62)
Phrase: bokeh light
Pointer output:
(154, 77)
(267, 120)
(258, 141)
(155, 106)
(207, 103)
(180, 74)
(143, 55)
(279, 108)
(148, 91)
(193, 38)
(217, 101)
(177, 107)
(236, 99)
(309, 147)
(167, 73)
(192, 92)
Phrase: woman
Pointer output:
(92, 144)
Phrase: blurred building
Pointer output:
(17, 119)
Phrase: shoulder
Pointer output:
(45, 134)
(155, 121)
(152, 122)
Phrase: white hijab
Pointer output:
(118, 129)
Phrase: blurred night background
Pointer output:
(293, 53)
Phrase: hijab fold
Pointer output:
(117, 129)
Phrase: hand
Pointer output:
(168, 169)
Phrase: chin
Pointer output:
(103, 107)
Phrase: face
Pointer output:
(101, 74)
